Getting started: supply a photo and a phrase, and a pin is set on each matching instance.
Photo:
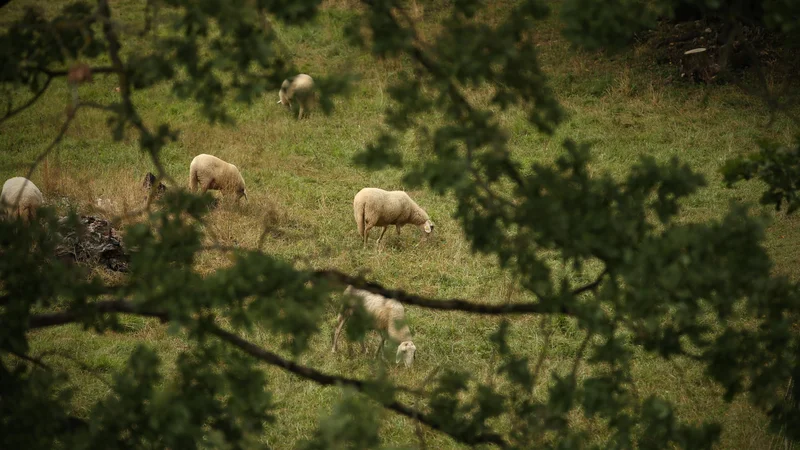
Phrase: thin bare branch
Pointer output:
(127, 111)
(99, 106)
(50, 147)
(579, 356)
(80, 364)
(30, 359)
(107, 306)
(62, 73)
(29, 103)
(418, 429)
(591, 286)
(548, 333)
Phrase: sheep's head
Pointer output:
(241, 190)
(283, 98)
(427, 227)
(405, 353)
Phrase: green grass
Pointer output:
(301, 181)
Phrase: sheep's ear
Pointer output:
(399, 356)
(279, 102)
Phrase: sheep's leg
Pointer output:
(380, 346)
(377, 244)
(206, 185)
(342, 319)
(367, 229)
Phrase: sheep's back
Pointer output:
(396, 207)
(302, 84)
(384, 207)
(31, 195)
(380, 307)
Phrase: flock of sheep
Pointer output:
(372, 207)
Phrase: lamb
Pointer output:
(389, 318)
(210, 172)
(300, 87)
(20, 198)
(375, 207)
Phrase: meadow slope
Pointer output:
(301, 181)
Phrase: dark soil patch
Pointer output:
(729, 54)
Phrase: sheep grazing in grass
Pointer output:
(389, 316)
(374, 207)
(210, 172)
(300, 88)
(20, 198)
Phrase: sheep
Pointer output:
(210, 172)
(389, 318)
(20, 198)
(375, 207)
(300, 87)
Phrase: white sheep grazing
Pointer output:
(210, 172)
(375, 207)
(299, 87)
(389, 318)
(20, 198)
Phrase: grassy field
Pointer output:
(301, 182)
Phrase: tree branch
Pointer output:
(106, 306)
(453, 304)
(308, 373)
(62, 73)
(30, 359)
(30, 102)
(591, 286)
(52, 145)
(324, 379)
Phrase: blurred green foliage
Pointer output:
(658, 276)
